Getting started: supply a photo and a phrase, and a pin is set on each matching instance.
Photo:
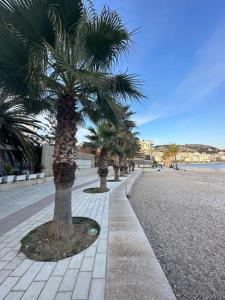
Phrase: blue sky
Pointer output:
(179, 52)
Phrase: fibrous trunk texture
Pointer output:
(103, 169)
(133, 165)
(64, 167)
(125, 166)
(130, 165)
(116, 168)
(121, 164)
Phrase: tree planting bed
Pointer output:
(38, 245)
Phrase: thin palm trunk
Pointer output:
(64, 167)
(130, 165)
(116, 168)
(103, 170)
(125, 166)
(121, 164)
(176, 166)
(133, 165)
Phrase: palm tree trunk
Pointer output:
(176, 166)
(116, 168)
(130, 165)
(103, 170)
(133, 165)
(125, 167)
(121, 164)
(64, 167)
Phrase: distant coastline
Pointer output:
(201, 163)
(210, 165)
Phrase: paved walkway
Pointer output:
(96, 273)
(79, 277)
(16, 199)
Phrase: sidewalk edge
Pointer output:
(133, 271)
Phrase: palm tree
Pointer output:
(17, 128)
(166, 157)
(115, 151)
(124, 134)
(132, 149)
(62, 50)
(123, 146)
(173, 150)
(116, 167)
(101, 140)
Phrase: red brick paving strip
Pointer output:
(11, 221)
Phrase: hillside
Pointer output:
(192, 148)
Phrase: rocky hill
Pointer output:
(192, 148)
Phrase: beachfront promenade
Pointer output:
(114, 267)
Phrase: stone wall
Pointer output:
(84, 160)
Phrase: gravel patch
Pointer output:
(183, 216)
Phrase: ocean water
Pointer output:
(215, 166)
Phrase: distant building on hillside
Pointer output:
(193, 154)
(146, 149)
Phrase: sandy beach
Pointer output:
(183, 215)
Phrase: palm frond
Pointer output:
(30, 18)
(104, 38)
(14, 58)
(126, 86)
(70, 13)
(16, 127)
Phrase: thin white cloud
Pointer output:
(205, 76)
(141, 119)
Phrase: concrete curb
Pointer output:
(133, 271)
(132, 181)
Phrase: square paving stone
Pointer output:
(28, 277)
(7, 285)
(87, 264)
(34, 290)
(97, 291)
(69, 280)
(14, 295)
(63, 296)
(99, 266)
(82, 287)
(45, 272)
(50, 288)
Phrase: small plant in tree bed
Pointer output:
(95, 190)
(38, 245)
(113, 180)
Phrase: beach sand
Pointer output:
(183, 215)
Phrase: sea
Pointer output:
(214, 166)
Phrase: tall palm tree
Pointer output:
(173, 149)
(101, 140)
(115, 151)
(17, 128)
(124, 134)
(65, 51)
(132, 149)
(124, 148)
(166, 157)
